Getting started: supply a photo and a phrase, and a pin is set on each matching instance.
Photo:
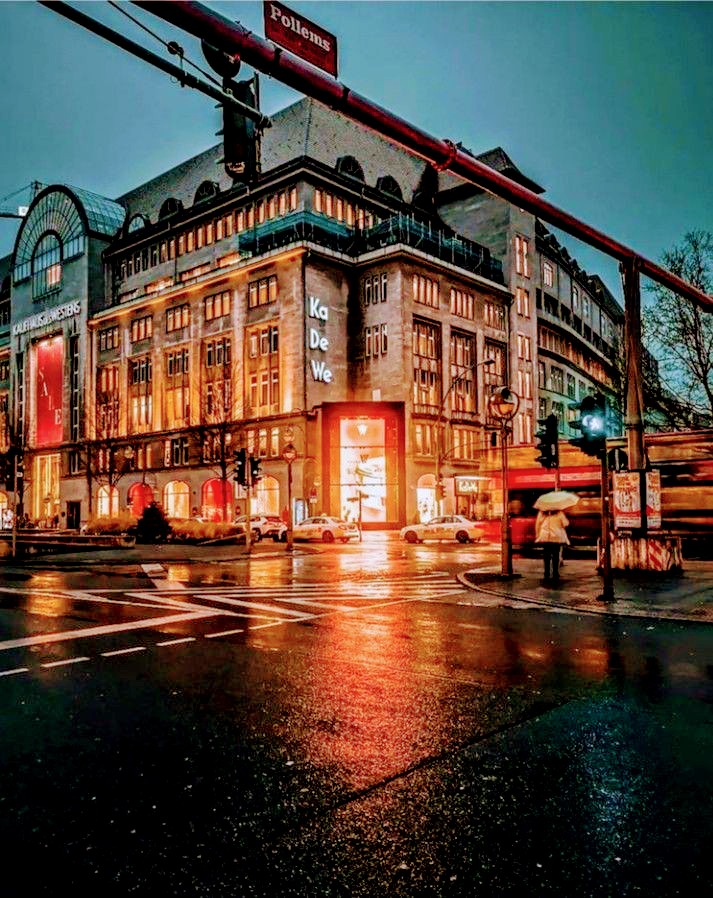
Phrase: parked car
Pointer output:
(449, 526)
(326, 529)
(264, 526)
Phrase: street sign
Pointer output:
(302, 37)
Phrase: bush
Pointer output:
(152, 526)
(199, 531)
(124, 522)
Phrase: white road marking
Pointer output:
(15, 670)
(222, 633)
(136, 648)
(106, 629)
(177, 641)
(67, 661)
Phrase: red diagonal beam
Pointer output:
(233, 38)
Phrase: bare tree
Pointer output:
(679, 335)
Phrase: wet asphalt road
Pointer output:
(375, 733)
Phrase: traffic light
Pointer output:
(255, 474)
(440, 490)
(548, 442)
(239, 132)
(240, 473)
(592, 424)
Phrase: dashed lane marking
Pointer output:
(66, 661)
(136, 648)
(177, 641)
(222, 633)
(15, 670)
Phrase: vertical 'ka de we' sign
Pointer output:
(302, 37)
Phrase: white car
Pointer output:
(326, 528)
(264, 526)
(447, 526)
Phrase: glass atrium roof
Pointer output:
(104, 216)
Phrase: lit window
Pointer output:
(47, 265)
(548, 274)
(522, 257)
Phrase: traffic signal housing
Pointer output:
(255, 473)
(592, 424)
(548, 442)
(240, 473)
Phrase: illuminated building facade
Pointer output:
(329, 304)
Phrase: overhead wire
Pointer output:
(174, 48)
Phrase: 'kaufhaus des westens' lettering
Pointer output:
(34, 322)
(317, 341)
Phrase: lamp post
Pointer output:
(289, 454)
(441, 410)
(503, 405)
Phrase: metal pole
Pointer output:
(607, 594)
(290, 537)
(505, 540)
(233, 38)
(248, 526)
(14, 507)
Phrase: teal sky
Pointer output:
(607, 105)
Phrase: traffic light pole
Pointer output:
(505, 536)
(607, 594)
(14, 510)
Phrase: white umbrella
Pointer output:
(558, 500)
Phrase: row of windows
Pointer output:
(263, 341)
(177, 362)
(557, 381)
(109, 338)
(218, 352)
(262, 291)
(178, 317)
(374, 289)
(376, 340)
(209, 232)
(494, 315)
(217, 306)
(522, 302)
(563, 346)
(425, 291)
(462, 304)
(141, 329)
(466, 441)
(4, 369)
(333, 206)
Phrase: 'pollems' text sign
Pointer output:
(302, 37)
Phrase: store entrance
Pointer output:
(45, 489)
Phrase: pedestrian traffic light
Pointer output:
(440, 490)
(548, 442)
(240, 472)
(592, 424)
(255, 474)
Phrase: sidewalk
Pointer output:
(687, 596)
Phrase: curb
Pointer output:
(576, 609)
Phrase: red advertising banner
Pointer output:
(627, 500)
(302, 37)
(48, 406)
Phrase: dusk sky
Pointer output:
(608, 106)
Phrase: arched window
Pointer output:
(217, 500)
(267, 497)
(140, 495)
(348, 165)
(177, 499)
(205, 191)
(137, 222)
(47, 265)
(107, 502)
(171, 206)
(389, 185)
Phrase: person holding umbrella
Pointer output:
(550, 529)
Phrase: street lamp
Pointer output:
(503, 405)
(289, 454)
(439, 427)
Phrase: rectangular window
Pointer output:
(141, 329)
(523, 347)
(575, 299)
(178, 317)
(217, 306)
(557, 380)
(74, 389)
(179, 451)
(541, 375)
(262, 292)
(548, 274)
(109, 338)
(462, 304)
(571, 387)
(522, 256)
(384, 339)
(494, 315)
(374, 288)
(425, 291)
(522, 301)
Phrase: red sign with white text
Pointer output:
(50, 362)
(302, 37)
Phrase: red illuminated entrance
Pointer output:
(140, 495)
(217, 500)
